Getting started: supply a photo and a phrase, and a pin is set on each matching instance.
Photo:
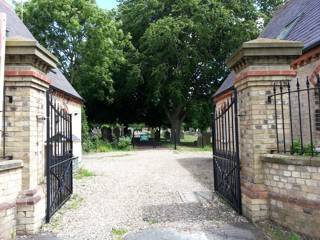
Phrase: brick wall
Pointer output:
(10, 186)
(293, 183)
(26, 66)
(31, 207)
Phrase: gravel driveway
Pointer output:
(142, 190)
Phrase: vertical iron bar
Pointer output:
(71, 145)
(232, 125)
(175, 139)
(232, 157)
(229, 133)
(213, 130)
(67, 133)
(225, 131)
(300, 122)
(54, 190)
(276, 114)
(318, 86)
(61, 134)
(55, 133)
(282, 113)
(290, 116)
(222, 132)
(238, 188)
(219, 130)
(310, 121)
(48, 159)
(65, 130)
(51, 143)
(213, 115)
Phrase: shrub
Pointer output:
(86, 140)
(307, 149)
(124, 143)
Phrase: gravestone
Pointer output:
(107, 134)
(116, 132)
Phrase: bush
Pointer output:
(307, 149)
(86, 140)
(102, 146)
(99, 145)
(124, 143)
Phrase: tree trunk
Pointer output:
(176, 119)
(175, 130)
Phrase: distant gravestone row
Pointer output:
(110, 134)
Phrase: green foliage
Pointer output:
(268, 7)
(183, 47)
(75, 202)
(118, 233)
(150, 61)
(99, 145)
(87, 40)
(115, 125)
(308, 149)
(83, 173)
(278, 234)
(199, 115)
(185, 148)
(137, 126)
(86, 141)
(124, 143)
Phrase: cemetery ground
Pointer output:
(147, 194)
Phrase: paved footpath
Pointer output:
(147, 195)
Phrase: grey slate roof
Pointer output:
(306, 28)
(16, 28)
(60, 82)
(227, 84)
(300, 18)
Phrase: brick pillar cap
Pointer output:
(264, 47)
(23, 46)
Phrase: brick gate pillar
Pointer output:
(26, 67)
(259, 64)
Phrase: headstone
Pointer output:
(107, 134)
(167, 135)
(182, 135)
(204, 139)
(116, 132)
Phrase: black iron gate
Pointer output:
(225, 145)
(59, 156)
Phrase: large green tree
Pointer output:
(87, 40)
(184, 45)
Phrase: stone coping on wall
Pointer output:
(292, 160)
(21, 46)
(263, 47)
(7, 165)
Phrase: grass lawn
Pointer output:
(183, 148)
(189, 138)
